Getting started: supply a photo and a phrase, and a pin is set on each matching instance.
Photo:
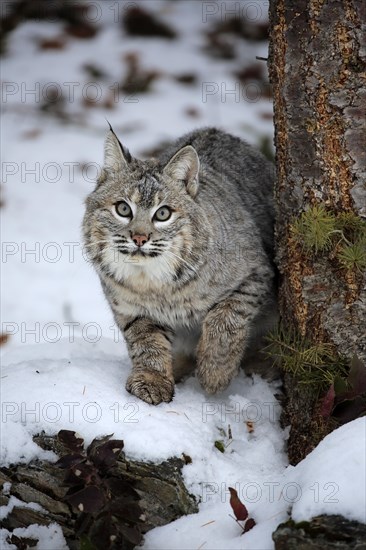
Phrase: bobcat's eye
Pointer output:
(123, 209)
(163, 214)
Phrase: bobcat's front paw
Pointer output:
(214, 378)
(151, 386)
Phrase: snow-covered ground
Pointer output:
(80, 386)
(65, 365)
(331, 480)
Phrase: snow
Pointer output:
(335, 472)
(65, 364)
(330, 480)
(80, 386)
(49, 537)
(15, 502)
(16, 446)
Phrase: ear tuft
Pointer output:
(184, 166)
(116, 156)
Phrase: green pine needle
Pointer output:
(318, 230)
(317, 365)
(352, 225)
(314, 229)
(353, 256)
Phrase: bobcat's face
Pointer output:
(143, 218)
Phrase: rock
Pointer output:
(27, 493)
(330, 532)
(136, 496)
(161, 488)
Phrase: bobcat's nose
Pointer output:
(139, 240)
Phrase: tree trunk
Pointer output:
(317, 71)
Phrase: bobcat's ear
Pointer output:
(184, 166)
(116, 157)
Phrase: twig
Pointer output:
(237, 521)
(209, 523)
(229, 443)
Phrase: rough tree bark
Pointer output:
(317, 71)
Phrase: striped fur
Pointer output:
(203, 284)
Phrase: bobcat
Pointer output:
(183, 245)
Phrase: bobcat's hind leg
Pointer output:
(221, 346)
(225, 334)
